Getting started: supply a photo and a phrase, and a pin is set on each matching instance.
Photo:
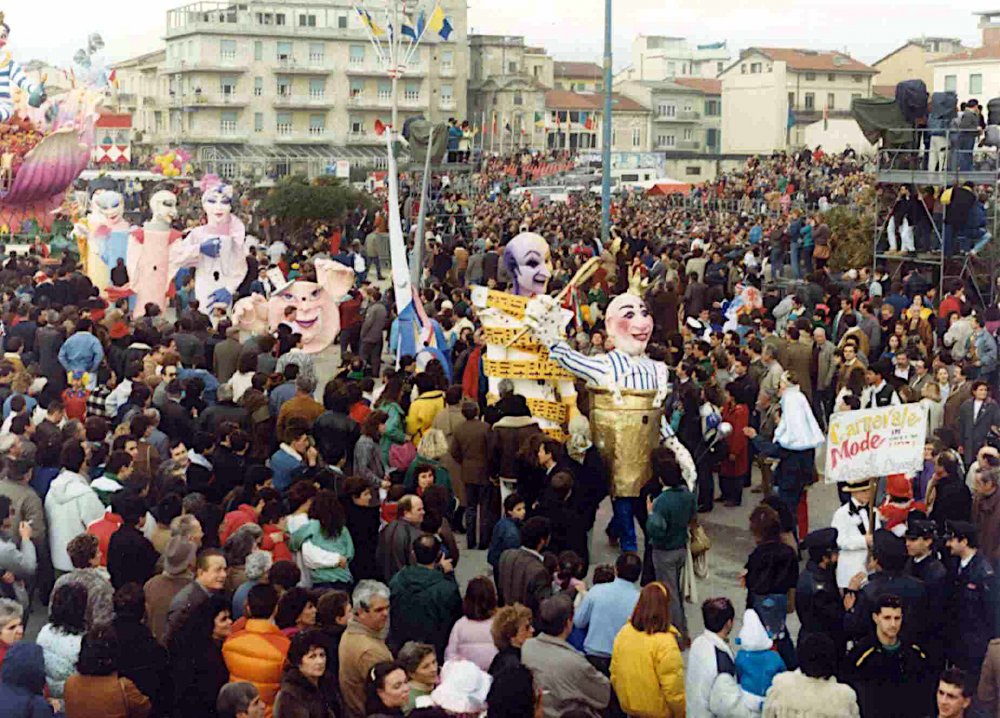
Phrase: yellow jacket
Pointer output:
(647, 673)
(423, 409)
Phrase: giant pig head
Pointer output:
(317, 316)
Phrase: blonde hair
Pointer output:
(433, 445)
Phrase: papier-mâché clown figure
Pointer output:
(627, 391)
(217, 249)
(12, 75)
(104, 237)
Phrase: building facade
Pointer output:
(656, 57)
(770, 95)
(686, 113)
(974, 71)
(275, 87)
(910, 61)
(578, 76)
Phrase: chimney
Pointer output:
(989, 23)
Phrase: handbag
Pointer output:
(821, 251)
(402, 455)
(699, 541)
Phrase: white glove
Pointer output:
(543, 317)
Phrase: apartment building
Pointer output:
(578, 76)
(973, 72)
(271, 87)
(656, 57)
(770, 95)
(911, 61)
(686, 112)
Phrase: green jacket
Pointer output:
(341, 544)
(441, 475)
(667, 525)
(395, 428)
(429, 607)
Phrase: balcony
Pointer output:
(185, 66)
(303, 101)
(809, 115)
(688, 115)
(374, 69)
(221, 99)
(447, 104)
(412, 102)
(313, 136)
(150, 101)
(362, 138)
(291, 66)
(211, 136)
(664, 117)
(446, 71)
(688, 145)
(368, 102)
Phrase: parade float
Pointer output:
(44, 144)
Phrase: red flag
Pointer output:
(589, 124)
(379, 127)
(557, 120)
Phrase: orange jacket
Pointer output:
(257, 654)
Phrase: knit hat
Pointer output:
(179, 556)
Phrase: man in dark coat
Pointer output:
(131, 557)
(889, 557)
(889, 675)
(395, 541)
(470, 444)
(523, 577)
(977, 416)
(924, 565)
(432, 601)
(226, 355)
(973, 599)
(175, 420)
(48, 341)
(817, 598)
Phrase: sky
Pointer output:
(569, 29)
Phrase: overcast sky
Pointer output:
(570, 29)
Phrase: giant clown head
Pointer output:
(317, 317)
(111, 205)
(528, 259)
(163, 205)
(629, 324)
(216, 199)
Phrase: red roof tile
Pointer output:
(817, 60)
(989, 52)
(706, 85)
(589, 70)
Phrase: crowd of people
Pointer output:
(206, 523)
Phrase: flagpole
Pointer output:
(606, 149)
(493, 131)
(418, 242)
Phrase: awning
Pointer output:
(287, 153)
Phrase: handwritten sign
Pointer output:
(875, 442)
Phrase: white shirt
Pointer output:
(851, 531)
(977, 406)
(965, 561)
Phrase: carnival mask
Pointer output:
(529, 260)
(317, 317)
(163, 205)
(629, 324)
(218, 203)
(110, 205)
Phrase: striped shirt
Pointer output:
(611, 369)
(11, 75)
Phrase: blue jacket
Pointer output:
(454, 135)
(506, 534)
(22, 681)
(81, 352)
(285, 469)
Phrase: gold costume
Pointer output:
(625, 432)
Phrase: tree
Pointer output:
(295, 202)
(852, 230)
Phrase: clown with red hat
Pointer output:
(898, 503)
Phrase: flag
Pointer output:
(366, 19)
(113, 78)
(379, 127)
(791, 118)
(589, 123)
(539, 119)
(408, 31)
(446, 29)
(437, 19)
(558, 123)
(421, 23)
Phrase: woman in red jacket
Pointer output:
(736, 465)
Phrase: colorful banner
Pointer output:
(875, 442)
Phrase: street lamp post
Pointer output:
(606, 131)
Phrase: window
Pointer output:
(688, 133)
(858, 78)
(950, 83)
(711, 108)
(718, 68)
(810, 101)
(227, 86)
(512, 67)
(712, 137)
(342, 22)
(284, 87)
(384, 90)
(810, 76)
(448, 60)
(158, 121)
(614, 137)
(692, 171)
(743, 69)
(975, 84)
(258, 122)
(518, 98)
(755, 69)
(316, 52)
(284, 50)
(284, 123)
(830, 103)
(279, 18)
(574, 117)
(317, 87)
(357, 54)
(668, 110)
(317, 125)
(791, 100)
(411, 93)
(855, 96)
(666, 140)
(227, 122)
(447, 95)
(258, 86)
(830, 77)
(307, 21)
(356, 125)
(265, 18)
(258, 50)
(357, 88)
(636, 137)
(227, 49)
